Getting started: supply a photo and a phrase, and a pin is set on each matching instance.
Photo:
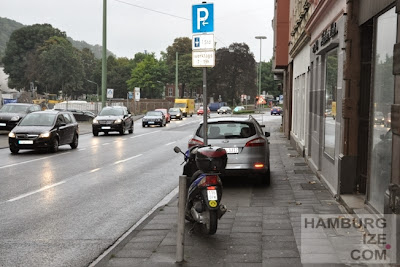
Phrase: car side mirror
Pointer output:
(267, 134)
(262, 125)
(60, 124)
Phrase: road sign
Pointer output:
(203, 18)
(137, 93)
(203, 58)
(203, 42)
(110, 93)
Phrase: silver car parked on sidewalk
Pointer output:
(245, 142)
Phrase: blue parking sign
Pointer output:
(203, 18)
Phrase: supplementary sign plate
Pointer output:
(203, 58)
(203, 42)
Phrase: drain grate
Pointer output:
(291, 148)
(300, 164)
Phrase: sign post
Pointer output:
(203, 49)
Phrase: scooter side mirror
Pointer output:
(177, 150)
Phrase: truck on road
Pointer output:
(186, 105)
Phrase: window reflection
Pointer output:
(330, 101)
(383, 94)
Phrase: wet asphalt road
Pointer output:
(64, 209)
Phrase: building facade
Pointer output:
(344, 79)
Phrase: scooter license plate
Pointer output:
(212, 195)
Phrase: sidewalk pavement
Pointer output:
(262, 227)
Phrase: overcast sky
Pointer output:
(137, 25)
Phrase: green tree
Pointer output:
(22, 44)
(149, 75)
(90, 64)
(234, 73)
(189, 77)
(118, 73)
(59, 67)
(268, 84)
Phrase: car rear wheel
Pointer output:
(131, 129)
(95, 133)
(14, 149)
(54, 146)
(74, 143)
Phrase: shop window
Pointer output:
(380, 117)
(331, 80)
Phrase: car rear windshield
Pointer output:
(14, 109)
(38, 119)
(112, 112)
(228, 130)
(174, 110)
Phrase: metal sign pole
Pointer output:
(205, 109)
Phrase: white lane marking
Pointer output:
(145, 134)
(33, 160)
(81, 149)
(106, 144)
(123, 160)
(94, 170)
(37, 191)
(163, 202)
(170, 143)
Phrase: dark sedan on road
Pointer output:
(154, 118)
(113, 119)
(12, 113)
(276, 110)
(176, 113)
(47, 129)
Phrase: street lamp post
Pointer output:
(259, 79)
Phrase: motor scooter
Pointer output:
(203, 165)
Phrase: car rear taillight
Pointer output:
(258, 165)
(194, 142)
(255, 142)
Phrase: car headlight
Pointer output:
(15, 118)
(95, 121)
(118, 121)
(11, 135)
(44, 135)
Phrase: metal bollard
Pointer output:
(180, 238)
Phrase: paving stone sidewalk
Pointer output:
(262, 227)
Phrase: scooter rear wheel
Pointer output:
(211, 226)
